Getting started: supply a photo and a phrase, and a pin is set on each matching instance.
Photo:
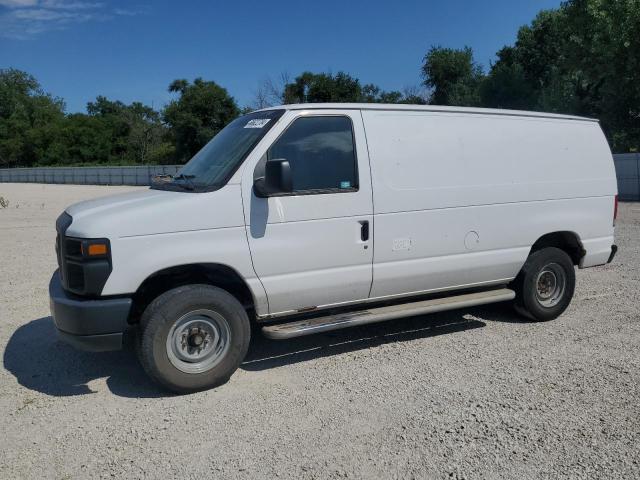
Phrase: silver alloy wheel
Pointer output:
(198, 341)
(550, 285)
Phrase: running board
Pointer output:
(373, 315)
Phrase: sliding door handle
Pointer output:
(364, 230)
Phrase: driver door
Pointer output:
(313, 247)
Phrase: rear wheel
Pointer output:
(193, 338)
(545, 285)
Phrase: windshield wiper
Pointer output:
(190, 185)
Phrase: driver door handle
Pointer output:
(364, 230)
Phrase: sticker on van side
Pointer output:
(401, 244)
(257, 123)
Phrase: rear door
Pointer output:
(314, 247)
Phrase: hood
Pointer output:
(152, 212)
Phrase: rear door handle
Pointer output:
(364, 230)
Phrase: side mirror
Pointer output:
(277, 179)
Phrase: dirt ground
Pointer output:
(476, 393)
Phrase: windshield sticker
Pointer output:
(257, 123)
(345, 184)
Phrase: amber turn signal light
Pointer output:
(96, 249)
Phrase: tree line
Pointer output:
(35, 131)
(582, 58)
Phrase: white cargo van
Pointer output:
(308, 218)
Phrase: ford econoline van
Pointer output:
(309, 218)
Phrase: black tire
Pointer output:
(530, 299)
(186, 304)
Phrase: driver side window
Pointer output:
(321, 153)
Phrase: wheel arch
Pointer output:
(567, 241)
(215, 274)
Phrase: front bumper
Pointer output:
(93, 325)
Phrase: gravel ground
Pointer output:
(475, 393)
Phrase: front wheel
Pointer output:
(545, 285)
(193, 338)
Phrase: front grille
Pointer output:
(75, 277)
(73, 248)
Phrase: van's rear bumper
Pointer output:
(94, 325)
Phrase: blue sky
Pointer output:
(129, 50)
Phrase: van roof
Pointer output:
(426, 108)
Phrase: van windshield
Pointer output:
(211, 168)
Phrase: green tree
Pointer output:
(370, 93)
(452, 76)
(111, 123)
(507, 87)
(81, 139)
(603, 64)
(146, 134)
(340, 88)
(322, 87)
(136, 130)
(533, 74)
(583, 59)
(201, 111)
(27, 118)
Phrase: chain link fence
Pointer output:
(136, 175)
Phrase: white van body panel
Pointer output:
(307, 249)
(460, 199)
(152, 230)
(153, 212)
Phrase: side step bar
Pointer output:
(374, 315)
